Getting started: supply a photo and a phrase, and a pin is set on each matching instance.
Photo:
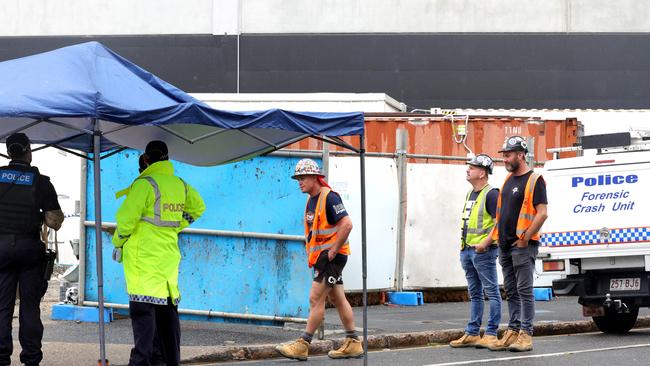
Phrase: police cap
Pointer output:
(17, 144)
(156, 151)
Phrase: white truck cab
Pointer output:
(597, 235)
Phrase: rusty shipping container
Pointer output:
(442, 135)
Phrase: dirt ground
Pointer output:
(51, 297)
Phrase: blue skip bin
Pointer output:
(406, 298)
(543, 294)
(80, 313)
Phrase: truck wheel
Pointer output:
(616, 323)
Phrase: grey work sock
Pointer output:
(307, 337)
(351, 334)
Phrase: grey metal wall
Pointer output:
(195, 63)
(477, 70)
(457, 70)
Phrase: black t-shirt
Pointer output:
(46, 197)
(512, 198)
(491, 199)
(333, 207)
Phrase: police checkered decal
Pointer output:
(148, 299)
(188, 217)
(152, 299)
(616, 236)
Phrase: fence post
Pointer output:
(326, 170)
(530, 157)
(326, 159)
(401, 161)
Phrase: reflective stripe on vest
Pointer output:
(318, 248)
(527, 211)
(477, 230)
(156, 220)
(324, 231)
(186, 215)
(321, 232)
(481, 211)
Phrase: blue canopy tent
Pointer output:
(86, 98)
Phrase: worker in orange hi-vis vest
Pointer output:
(327, 227)
(521, 212)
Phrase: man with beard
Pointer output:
(521, 212)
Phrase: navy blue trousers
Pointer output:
(151, 321)
(21, 266)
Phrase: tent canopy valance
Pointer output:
(63, 96)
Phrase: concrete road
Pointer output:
(568, 350)
(67, 343)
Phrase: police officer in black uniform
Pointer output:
(27, 200)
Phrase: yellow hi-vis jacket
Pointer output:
(157, 207)
(479, 223)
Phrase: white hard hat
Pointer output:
(306, 167)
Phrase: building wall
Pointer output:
(105, 17)
(113, 17)
(425, 16)
(425, 53)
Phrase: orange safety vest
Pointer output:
(323, 235)
(526, 213)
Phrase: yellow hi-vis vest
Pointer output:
(479, 223)
(157, 207)
(323, 235)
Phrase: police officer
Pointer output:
(156, 354)
(479, 262)
(27, 200)
(157, 207)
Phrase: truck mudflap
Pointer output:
(592, 288)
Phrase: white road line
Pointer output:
(539, 355)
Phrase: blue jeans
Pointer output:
(481, 273)
(518, 266)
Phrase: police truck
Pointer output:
(597, 236)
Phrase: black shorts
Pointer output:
(332, 272)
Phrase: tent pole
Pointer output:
(98, 238)
(364, 261)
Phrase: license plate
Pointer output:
(624, 284)
(593, 310)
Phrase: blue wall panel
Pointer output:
(256, 276)
(253, 195)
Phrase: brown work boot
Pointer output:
(509, 337)
(297, 350)
(524, 343)
(465, 341)
(486, 341)
(351, 348)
